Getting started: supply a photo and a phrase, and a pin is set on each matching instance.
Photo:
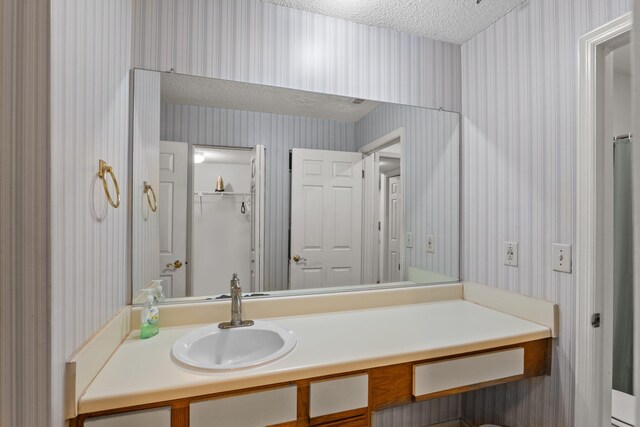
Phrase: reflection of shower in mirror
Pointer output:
(223, 181)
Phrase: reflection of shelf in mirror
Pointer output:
(219, 193)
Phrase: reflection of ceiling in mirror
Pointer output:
(454, 21)
(203, 91)
(225, 155)
(388, 164)
(393, 149)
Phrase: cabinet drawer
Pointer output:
(465, 371)
(160, 417)
(338, 395)
(256, 409)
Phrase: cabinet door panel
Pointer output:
(338, 395)
(256, 409)
(465, 371)
(160, 417)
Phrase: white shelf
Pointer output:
(219, 193)
(217, 196)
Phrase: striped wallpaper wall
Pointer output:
(519, 111)
(90, 63)
(24, 214)
(278, 133)
(517, 170)
(256, 42)
(146, 167)
(519, 84)
(419, 414)
(432, 172)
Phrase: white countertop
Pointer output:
(141, 371)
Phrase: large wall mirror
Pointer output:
(294, 191)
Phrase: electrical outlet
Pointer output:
(511, 254)
(431, 244)
(409, 239)
(562, 258)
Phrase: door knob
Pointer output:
(297, 258)
(175, 265)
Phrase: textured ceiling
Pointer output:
(191, 90)
(454, 21)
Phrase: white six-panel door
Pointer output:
(172, 208)
(326, 216)
(394, 237)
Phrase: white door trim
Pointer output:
(593, 345)
(383, 142)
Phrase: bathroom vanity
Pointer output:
(393, 347)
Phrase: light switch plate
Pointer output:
(409, 239)
(511, 254)
(562, 258)
(431, 244)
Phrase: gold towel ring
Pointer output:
(103, 170)
(148, 189)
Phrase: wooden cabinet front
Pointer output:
(345, 399)
(159, 417)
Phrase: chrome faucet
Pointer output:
(236, 306)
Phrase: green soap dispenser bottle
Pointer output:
(149, 317)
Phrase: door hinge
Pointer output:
(398, 266)
(363, 174)
(379, 226)
(595, 320)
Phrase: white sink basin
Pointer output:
(213, 348)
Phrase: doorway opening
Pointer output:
(619, 250)
(228, 195)
(604, 262)
(383, 219)
(390, 224)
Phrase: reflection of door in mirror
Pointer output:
(383, 216)
(326, 219)
(393, 227)
(172, 211)
(391, 215)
